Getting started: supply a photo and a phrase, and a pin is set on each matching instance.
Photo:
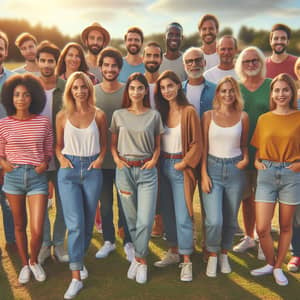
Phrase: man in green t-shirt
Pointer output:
(255, 88)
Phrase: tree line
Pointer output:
(246, 36)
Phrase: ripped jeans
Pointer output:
(138, 194)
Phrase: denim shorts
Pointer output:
(24, 180)
(278, 182)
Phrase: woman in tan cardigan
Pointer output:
(181, 151)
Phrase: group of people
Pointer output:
(177, 121)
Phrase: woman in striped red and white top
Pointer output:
(26, 147)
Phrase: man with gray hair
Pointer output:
(255, 89)
(199, 91)
(226, 49)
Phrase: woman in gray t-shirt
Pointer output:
(135, 147)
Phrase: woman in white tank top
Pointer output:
(81, 130)
(222, 176)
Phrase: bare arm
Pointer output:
(244, 142)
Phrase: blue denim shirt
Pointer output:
(207, 95)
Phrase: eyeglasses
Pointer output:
(197, 61)
(254, 61)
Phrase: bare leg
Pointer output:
(37, 209)
(17, 204)
(248, 209)
(264, 215)
(286, 213)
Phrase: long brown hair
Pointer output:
(161, 104)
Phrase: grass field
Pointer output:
(107, 277)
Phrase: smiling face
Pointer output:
(173, 39)
(133, 43)
(279, 41)
(95, 41)
(136, 91)
(251, 63)
(80, 91)
(226, 94)
(110, 70)
(282, 94)
(194, 64)
(21, 98)
(152, 58)
(169, 89)
(72, 59)
(208, 32)
(226, 50)
(46, 64)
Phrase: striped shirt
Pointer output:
(26, 141)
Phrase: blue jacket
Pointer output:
(207, 95)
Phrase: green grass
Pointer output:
(107, 277)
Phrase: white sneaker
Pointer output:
(60, 253)
(141, 273)
(186, 273)
(260, 253)
(246, 243)
(105, 249)
(279, 277)
(168, 259)
(45, 252)
(266, 270)
(129, 251)
(211, 268)
(73, 289)
(38, 272)
(84, 274)
(131, 273)
(24, 275)
(224, 264)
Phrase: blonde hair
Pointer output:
(292, 85)
(239, 101)
(68, 99)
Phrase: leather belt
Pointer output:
(171, 156)
(135, 163)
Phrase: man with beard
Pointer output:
(8, 223)
(47, 56)
(255, 89)
(95, 38)
(27, 43)
(208, 28)
(109, 95)
(152, 59)
(226, 49)
(172, 58)
(280, 61)
(199, 91)
(132, 62)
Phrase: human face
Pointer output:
(297, 67)
(46, 64)
(133, 43)
(28, 50)
(110, 70)
(251, 64)
(282, 94)
(279, 41)
(152, 59)
(169, 89)
(194, 64)
(208, 32)
(173, 39)
(227, 94)
(21, 98)
(136, 91)
(3, 51)
(80, 91)
(95, 41)
(72, 59)
(226, 50)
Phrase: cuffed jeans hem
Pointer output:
(76, 266)
(185, 251)
(213, 249)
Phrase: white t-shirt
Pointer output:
(211, 60)
(151, 95)
(193, 94)
(215, 74)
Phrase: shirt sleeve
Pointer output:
(113, 125)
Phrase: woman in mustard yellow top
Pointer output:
(277, 139)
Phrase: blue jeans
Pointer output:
(106, 209)
(221, 205)
(59, 226)
(138, 192)
(296, 233)
(8, 221)
(177, 221)
(79, 190)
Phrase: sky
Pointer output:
(152, 16)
